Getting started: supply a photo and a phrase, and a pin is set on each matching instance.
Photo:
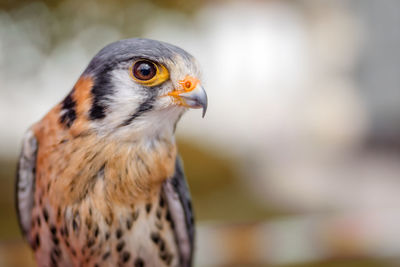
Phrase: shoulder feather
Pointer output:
(25, 182)
(178, 198)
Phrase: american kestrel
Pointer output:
(99, 179)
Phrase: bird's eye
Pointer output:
(148, 73)
(144, 70)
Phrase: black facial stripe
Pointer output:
(101, 88)
(68, 110)
(144, 107)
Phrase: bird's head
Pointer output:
(137, 87)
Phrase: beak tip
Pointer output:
(204, 105)
(196, 98)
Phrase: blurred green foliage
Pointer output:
(9, 228)
(189, 6)
(217, 191)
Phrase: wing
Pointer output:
(25, 183)
(178, 198)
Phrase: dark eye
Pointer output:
(144, 70)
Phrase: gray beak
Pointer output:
(197, 98)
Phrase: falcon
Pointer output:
(99, 179)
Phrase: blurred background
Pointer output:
(297, 162)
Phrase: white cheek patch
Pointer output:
(122, 102)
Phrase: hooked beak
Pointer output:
(192, 94)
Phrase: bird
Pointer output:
(99, 180)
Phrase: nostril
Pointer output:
(188, 84)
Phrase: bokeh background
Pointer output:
(297, 162)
